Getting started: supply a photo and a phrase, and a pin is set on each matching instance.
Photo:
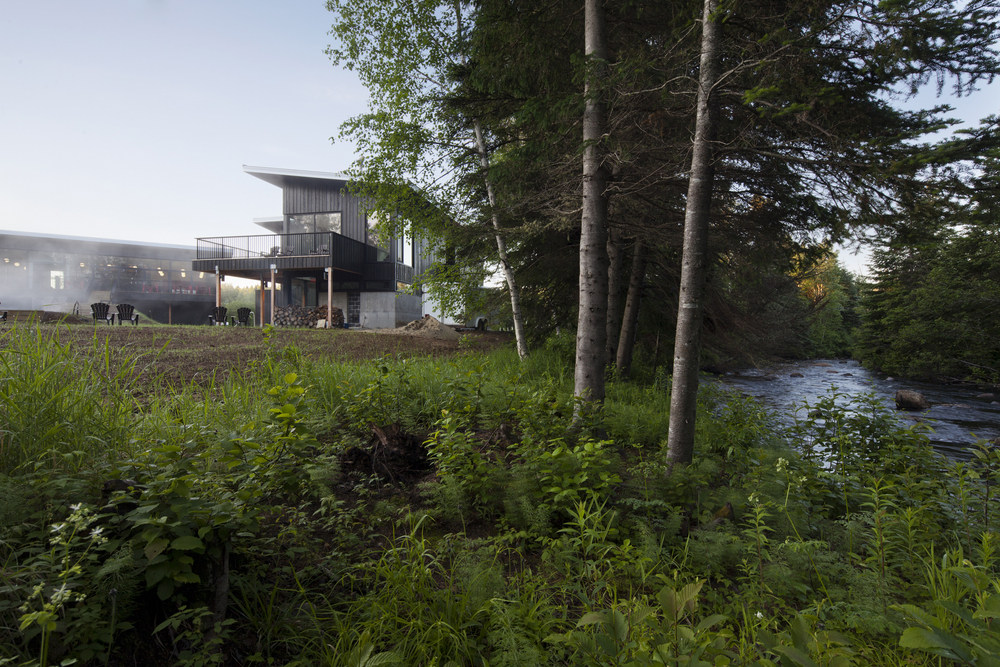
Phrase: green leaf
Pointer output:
(155, 548)
(187, 543)
(165, 589)
(591, 618)
(934, 642)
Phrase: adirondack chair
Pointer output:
(126, 311)
(244, 317)
(218, 316)
(100, 312)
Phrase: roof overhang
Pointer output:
(282, 177)
(272, 224)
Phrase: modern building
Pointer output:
(322, 250)
(67, 273)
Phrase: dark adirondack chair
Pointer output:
(244, 317)
(101, 313)
(126, 312)
(218, 316)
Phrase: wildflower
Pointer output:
(754, 498)
(782, 464)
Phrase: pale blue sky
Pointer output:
(132, 119)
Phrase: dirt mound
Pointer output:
(428, 327)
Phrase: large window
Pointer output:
(404, 250)
(374, 239)
(308, 223)
(328, 222)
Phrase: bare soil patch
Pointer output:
(176, 355)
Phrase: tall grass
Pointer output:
(60, 407)
(526, 544)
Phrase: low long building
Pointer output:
(67, 273)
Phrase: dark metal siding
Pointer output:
(311, 197)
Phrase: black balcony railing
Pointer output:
(342, 252)
(319, 250)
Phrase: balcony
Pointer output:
(234, 254)
(250, 256)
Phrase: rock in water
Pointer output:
(907, 399)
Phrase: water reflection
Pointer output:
(959, 416)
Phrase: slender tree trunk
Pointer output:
(630, 320)
(687, 341)
(591, 344)
(616, 265)
(508, 272)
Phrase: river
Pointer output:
(958, 415)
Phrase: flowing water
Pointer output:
(959, 415)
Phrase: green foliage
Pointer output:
(959, 621)
(61, 407)
(525, 544)
(929, 310)
(637, 633)
(833, 308)
(63, 615)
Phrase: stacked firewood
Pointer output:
(304, 316)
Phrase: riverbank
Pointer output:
(959, 416)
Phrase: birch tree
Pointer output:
(414, 146)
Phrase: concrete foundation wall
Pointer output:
(378, 310)
(409, 307)
(339, 300)
(386, 310)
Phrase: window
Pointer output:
(328, 222)
(307, 223)
(301, 223)
(373, 238)
(57, 279)
(404, 250)
(407, 243)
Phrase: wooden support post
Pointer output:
(273, 269)
(263, 286)
(329, 297)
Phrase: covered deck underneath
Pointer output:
(325, 260)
